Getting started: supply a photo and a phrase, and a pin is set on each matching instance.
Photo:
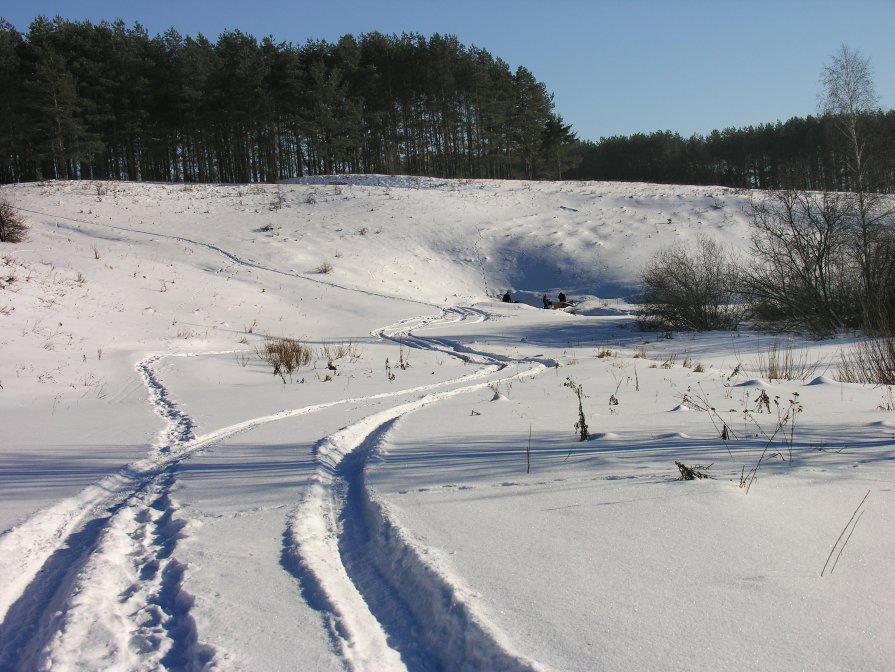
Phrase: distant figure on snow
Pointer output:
(507, 298)
(561, 297)
(546, 301)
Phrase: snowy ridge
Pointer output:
(230, 256)
(386, 181)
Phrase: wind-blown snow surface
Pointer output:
(424, 503)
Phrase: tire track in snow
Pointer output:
(365, 642)
(88, 599)
(41, 558)
(129, 609)
(327, 547)
(386, 607)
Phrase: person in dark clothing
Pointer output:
(507, 298)
(546, 301)
(561, 297)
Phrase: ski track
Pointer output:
(50, 555)
(387, 607)
(96, 582)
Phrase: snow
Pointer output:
(167, 502)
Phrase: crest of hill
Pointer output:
(437, 241)
(582, 238)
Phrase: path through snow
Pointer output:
(97, 577)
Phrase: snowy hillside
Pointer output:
(415, 496)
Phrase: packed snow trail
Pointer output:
(129, 609)
(322, 539)
(387, 608)
(63, 569)
(54, 554)
(61, 563)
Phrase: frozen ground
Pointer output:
(424, 503)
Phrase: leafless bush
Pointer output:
(285, 355)
(697, 471)
(804, 276)
(12, 225)
(787, 415)
(870, 361)
(580, 426)
(692, 289)
(333, 352)
(780, 361)
(324, 268)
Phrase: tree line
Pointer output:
(802, 153)
(109, 101)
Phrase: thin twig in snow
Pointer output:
(841, 534)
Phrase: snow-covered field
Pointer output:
(423, 503)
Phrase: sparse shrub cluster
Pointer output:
(333, 352)
(285, 355)
(13, 228)
(820, 262)
(871, 361)
(780, 361)
(692, 289)
(803, 276)
(779, 441)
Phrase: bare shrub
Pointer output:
(285, 355)
(804, 276)
(333, 352)
(580, 426)
(697, 471)
(12, 225)
(870, 361)
(694, 290)
(784, 429)
(780, 361)
(325, 268)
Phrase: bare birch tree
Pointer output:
(849, 96)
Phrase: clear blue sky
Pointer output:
(615, 67)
